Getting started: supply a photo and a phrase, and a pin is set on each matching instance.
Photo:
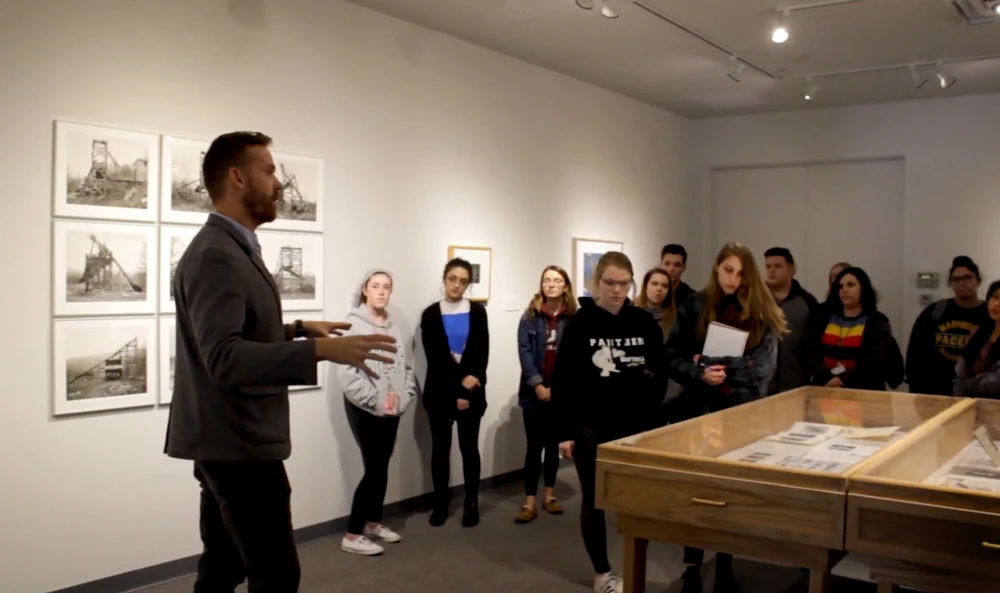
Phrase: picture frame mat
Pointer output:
(62, 406)
(167, 233)
(582, 246)
(61, 307)
(271, 239)
(319, 164)
(167, 212)
(60, 173)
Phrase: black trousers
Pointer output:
(246, 528)
(468, 444)
(592, 524)
(541, 435)
(376, 435)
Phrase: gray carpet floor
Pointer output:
(499, 555)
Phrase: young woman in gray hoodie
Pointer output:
(373, 410)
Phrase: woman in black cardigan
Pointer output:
(456, 340)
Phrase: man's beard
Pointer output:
(260, 206)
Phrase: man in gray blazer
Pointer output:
(234, 362)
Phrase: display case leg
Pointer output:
(635, 564)
(819, 581)
(884, 587)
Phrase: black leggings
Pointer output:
(468, 444)
(377, 437)
(592, 525)
(541, 436)
(695, 556)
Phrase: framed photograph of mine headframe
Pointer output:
(103, 364)
(300, 207)
(174, 241)
(103, 268)
(105, 173)
(295, 263)
(184, 199)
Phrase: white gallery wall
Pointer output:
(844, 164)
(428, 141)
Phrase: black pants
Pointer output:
(468, 444)
(592, 525)
(541, 435)
(246, 528)
(695, 556)
(376, 435)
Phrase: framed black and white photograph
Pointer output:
(481, 258)
(301, 205)
(183, 195)
(103, 268)
(168, 354)
(295, 261)
(174, 240)
(103, 364)
(107, 173)
(324, 367)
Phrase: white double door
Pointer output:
(823, 213)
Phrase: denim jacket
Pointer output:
(532, 335)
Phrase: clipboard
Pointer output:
(724, 341)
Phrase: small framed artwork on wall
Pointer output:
(185, 199)
(104, 268)
(300, 207)
(322, 368)
(173, 242)
(481, 258)
(295, 261)
(586, 254)
(168, 356)
(104, 364)
(105, 173)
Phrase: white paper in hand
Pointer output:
(724, 340)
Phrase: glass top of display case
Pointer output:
(956, 453)
(816, 433)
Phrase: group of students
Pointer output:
(600, 367)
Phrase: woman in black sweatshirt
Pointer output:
(608, 382)
(735, 296)
(456, 339)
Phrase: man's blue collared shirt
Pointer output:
(249, 235)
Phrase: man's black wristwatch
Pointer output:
(300, 330)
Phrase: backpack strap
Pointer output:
(938, 312)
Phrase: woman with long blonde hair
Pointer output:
(735, 296)
(538, 336)
(657, 298)
(608, 383)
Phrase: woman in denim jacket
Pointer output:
(538, 336)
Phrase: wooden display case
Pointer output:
(924, 533)
(672, 484)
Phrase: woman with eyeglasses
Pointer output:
(942, 330)
(608, 383)
(539, 334)
(456, 339)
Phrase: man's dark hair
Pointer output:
(228, 150)
(675, 249)
(780, 252)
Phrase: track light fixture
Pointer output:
(585, 4)
(779, 34)
(609, 10)
(918, 81)
(811, 89)
(944, 79)
(737, 70)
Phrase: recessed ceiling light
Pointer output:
(585, 4)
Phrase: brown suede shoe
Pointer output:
(553, 506)
(526, 515)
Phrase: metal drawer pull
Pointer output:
(991, 546)
(719, 503)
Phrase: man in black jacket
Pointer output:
(234, 362)
(801, 311)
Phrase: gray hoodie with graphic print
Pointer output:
(359, 388)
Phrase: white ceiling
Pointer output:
(643, 56)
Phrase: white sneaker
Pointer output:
(609, 583)
(383, 533)
(362, 546)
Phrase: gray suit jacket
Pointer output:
(235, 358)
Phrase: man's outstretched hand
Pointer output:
(355, 350)
(324, 329)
